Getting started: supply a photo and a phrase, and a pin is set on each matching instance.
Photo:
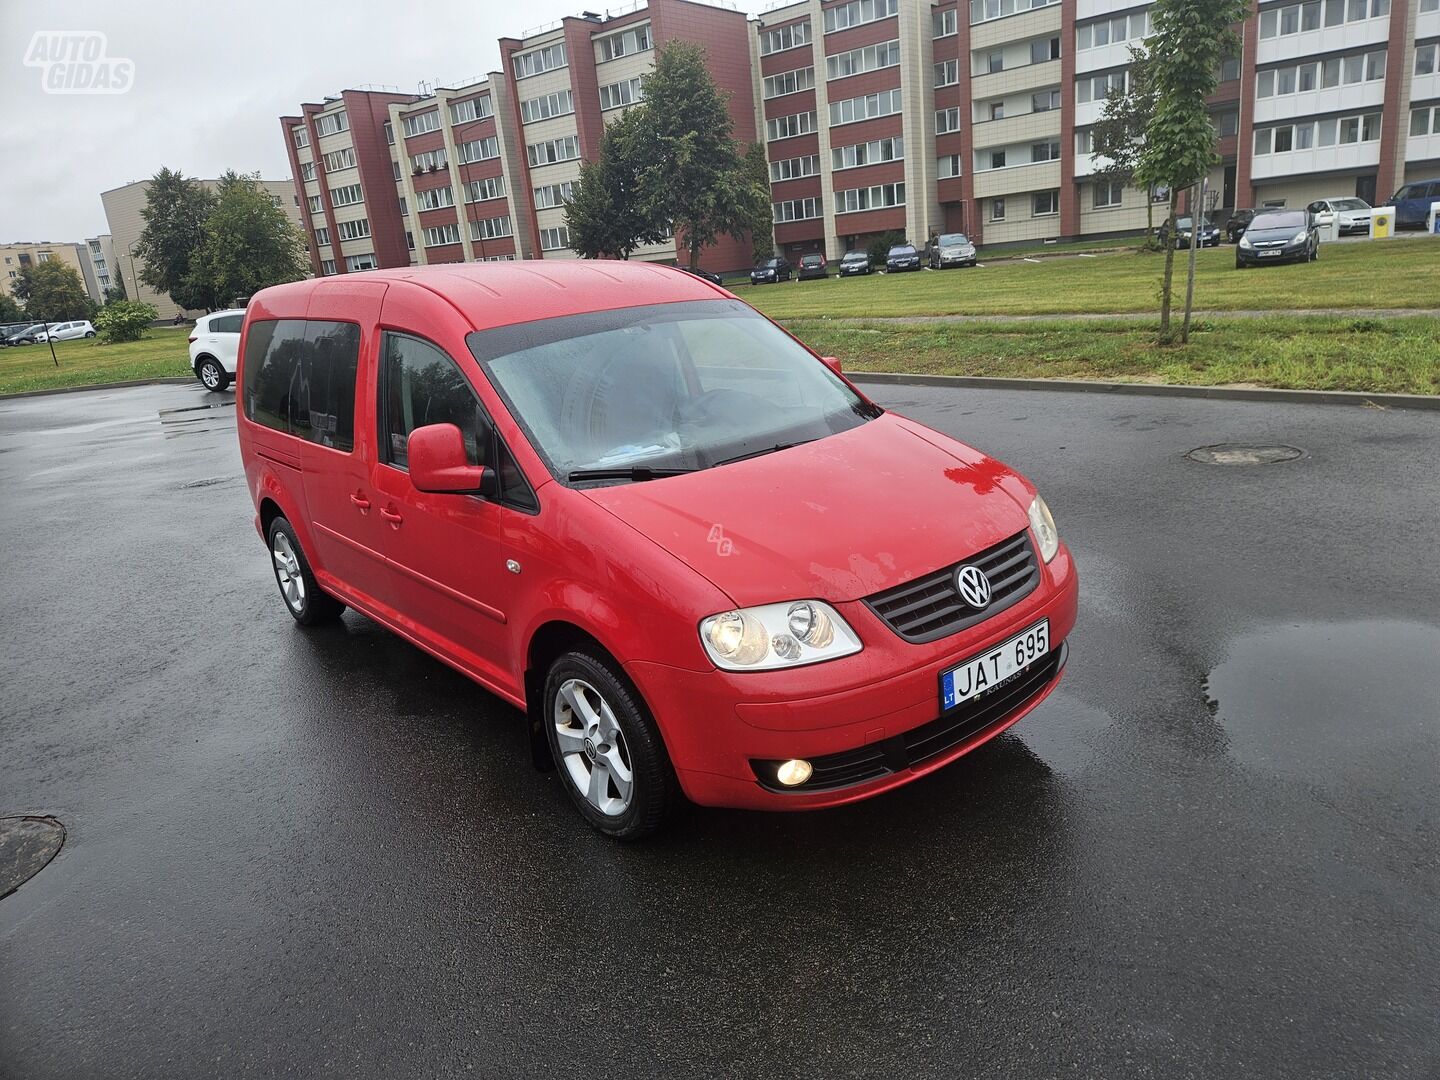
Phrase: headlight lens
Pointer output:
(1244, 241)
(777, 636)
(1046, 535)
(1300, 237)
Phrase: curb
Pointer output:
(161, 381)
(1213, 393)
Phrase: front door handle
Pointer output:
(361, 502)
(390, 514)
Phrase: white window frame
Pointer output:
(539, 61)
(331, 123)
(442, 235)
(358, 229)
(794, 168)
(858, 13)
(788, 127)
(420, 123)
(783, 83)
(790, 36)
(348, 195)
(865, 107)
(553, 151)
(485, 149)
(548, 195)
(877, 57)
(873, 197)
(435, 198)
(632, 40)
(491, 228)
(617, 95)
(547, 106)
(492, 187)
(556, 238)
(806, 209)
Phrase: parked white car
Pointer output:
(215, 347)
(68, 331)
(1349, 214)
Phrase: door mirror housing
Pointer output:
(833, 363)
(438, 464)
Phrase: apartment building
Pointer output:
(104, 269)
(15, 257)
(877, 116)
(123, 206)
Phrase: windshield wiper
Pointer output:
(762, 453)
(629, 472)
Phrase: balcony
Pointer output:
(1015, 80)
(1103, 57)
(1327, 39)
(1351, 98)
(1036, 176)
(1319, 159)
(1026, 127)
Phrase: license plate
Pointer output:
(981, 674)
(1266, 254)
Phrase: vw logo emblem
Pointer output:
(973, 586)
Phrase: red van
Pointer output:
(614, 495)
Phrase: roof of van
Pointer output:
(493, 294)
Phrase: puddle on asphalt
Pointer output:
(1352, 709)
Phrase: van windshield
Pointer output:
(645, 391)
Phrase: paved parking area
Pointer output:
(1212, 853)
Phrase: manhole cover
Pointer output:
(1236, 454)
(26, 845)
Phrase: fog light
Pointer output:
(794, 772)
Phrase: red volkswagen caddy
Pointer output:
(614, 495)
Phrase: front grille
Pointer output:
(915, 747)
(931, 607)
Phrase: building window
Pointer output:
(995, 63)
(885, 103)
(794, 168)
(322, 236)
(797, 209)
(346, 196)
(404, 207)
(625, 92)
(389, 133)
(858, 12)
(947, 73)
(1282, 140)
(784, 37)
(625, 44)
(858, 61)
(435, 198)
(946, 121)
(1045, 151)
(327, 267)
(947, 166)
(340, 159)
(1044, 50)
(307, 170)
(553, 150)
(361, 262)
(1300, 18)
(1046, 203)
(482, 190)
(997, 159)
(1108, 195)
(788, 82)
(997, 110)
(490, 228)
(849, 157)
(997, 209)
(1045, 101)
(395, 165)
(423, 122)
(301, 137)
(354, 230)
(478, 150)
(462, 112)
(429, 161)
(786, 127)
(554, 195)
(560, 103)
(943, 23)
(557, 239)
(331, 123)
(869, 198)
(1228, 123)
(440, 235)
(1113, 31)
(317, 204)
(541, 60)
(410, 240)
(1262, 141)
(1425, 59)
(985, 10)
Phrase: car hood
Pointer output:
(837, 519)
(1269, 236)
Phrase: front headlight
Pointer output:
(777, 636)
(1046, 535)
(1244, 241)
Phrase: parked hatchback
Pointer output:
(812, 266)
(28, 334)
(902, 257)
(699, 559)
(1412, 203)
(70, 331)
(770, 271)
(855, 263)
(1278, 236)
(1348, 215)
(215, 346)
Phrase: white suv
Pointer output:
(215, 346)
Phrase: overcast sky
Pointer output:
(210, 82)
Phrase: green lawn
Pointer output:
(29, 367)
(1400, 355)
(1378, 274)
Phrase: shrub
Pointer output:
(880, 245)
(123, 320)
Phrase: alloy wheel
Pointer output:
(287, 572)
(592, 747)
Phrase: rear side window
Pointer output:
(300, 379)
(226, 324)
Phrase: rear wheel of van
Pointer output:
(212, 374)
(307, 603)
(607, 749)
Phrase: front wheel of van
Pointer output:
(308, 604)
(611, 758)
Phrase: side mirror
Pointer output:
(438, 464)
(833, 363)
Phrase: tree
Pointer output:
(175, 212)
(52, 292)
(1190, 39)
(123, 320)
(1119, 136)
(707, 191)
(615, 205)
(761, 226)
(10, 309)
(116, 291)
(248, 245)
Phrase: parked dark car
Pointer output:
(6, 329)
(812, 266)
(1278, 236)
(855, 263)
(1209, 232)
(951, 249)
(27, 334)
(714, 279)
(771, 270)
(1412, 203)
(902, 257)
(1235, 227)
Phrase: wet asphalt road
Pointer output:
(1212, 853)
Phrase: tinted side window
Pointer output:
(226, 324)
(300, 379)
(272, 358)
(424, 386)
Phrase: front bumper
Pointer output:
(853, 271)
(1252, 256)
(956, 260)
(900, 268)
(717, 723)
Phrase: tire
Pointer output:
(595, 720)
(212, 375)
(90, 333)
(1315, 254)
(308, 604)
